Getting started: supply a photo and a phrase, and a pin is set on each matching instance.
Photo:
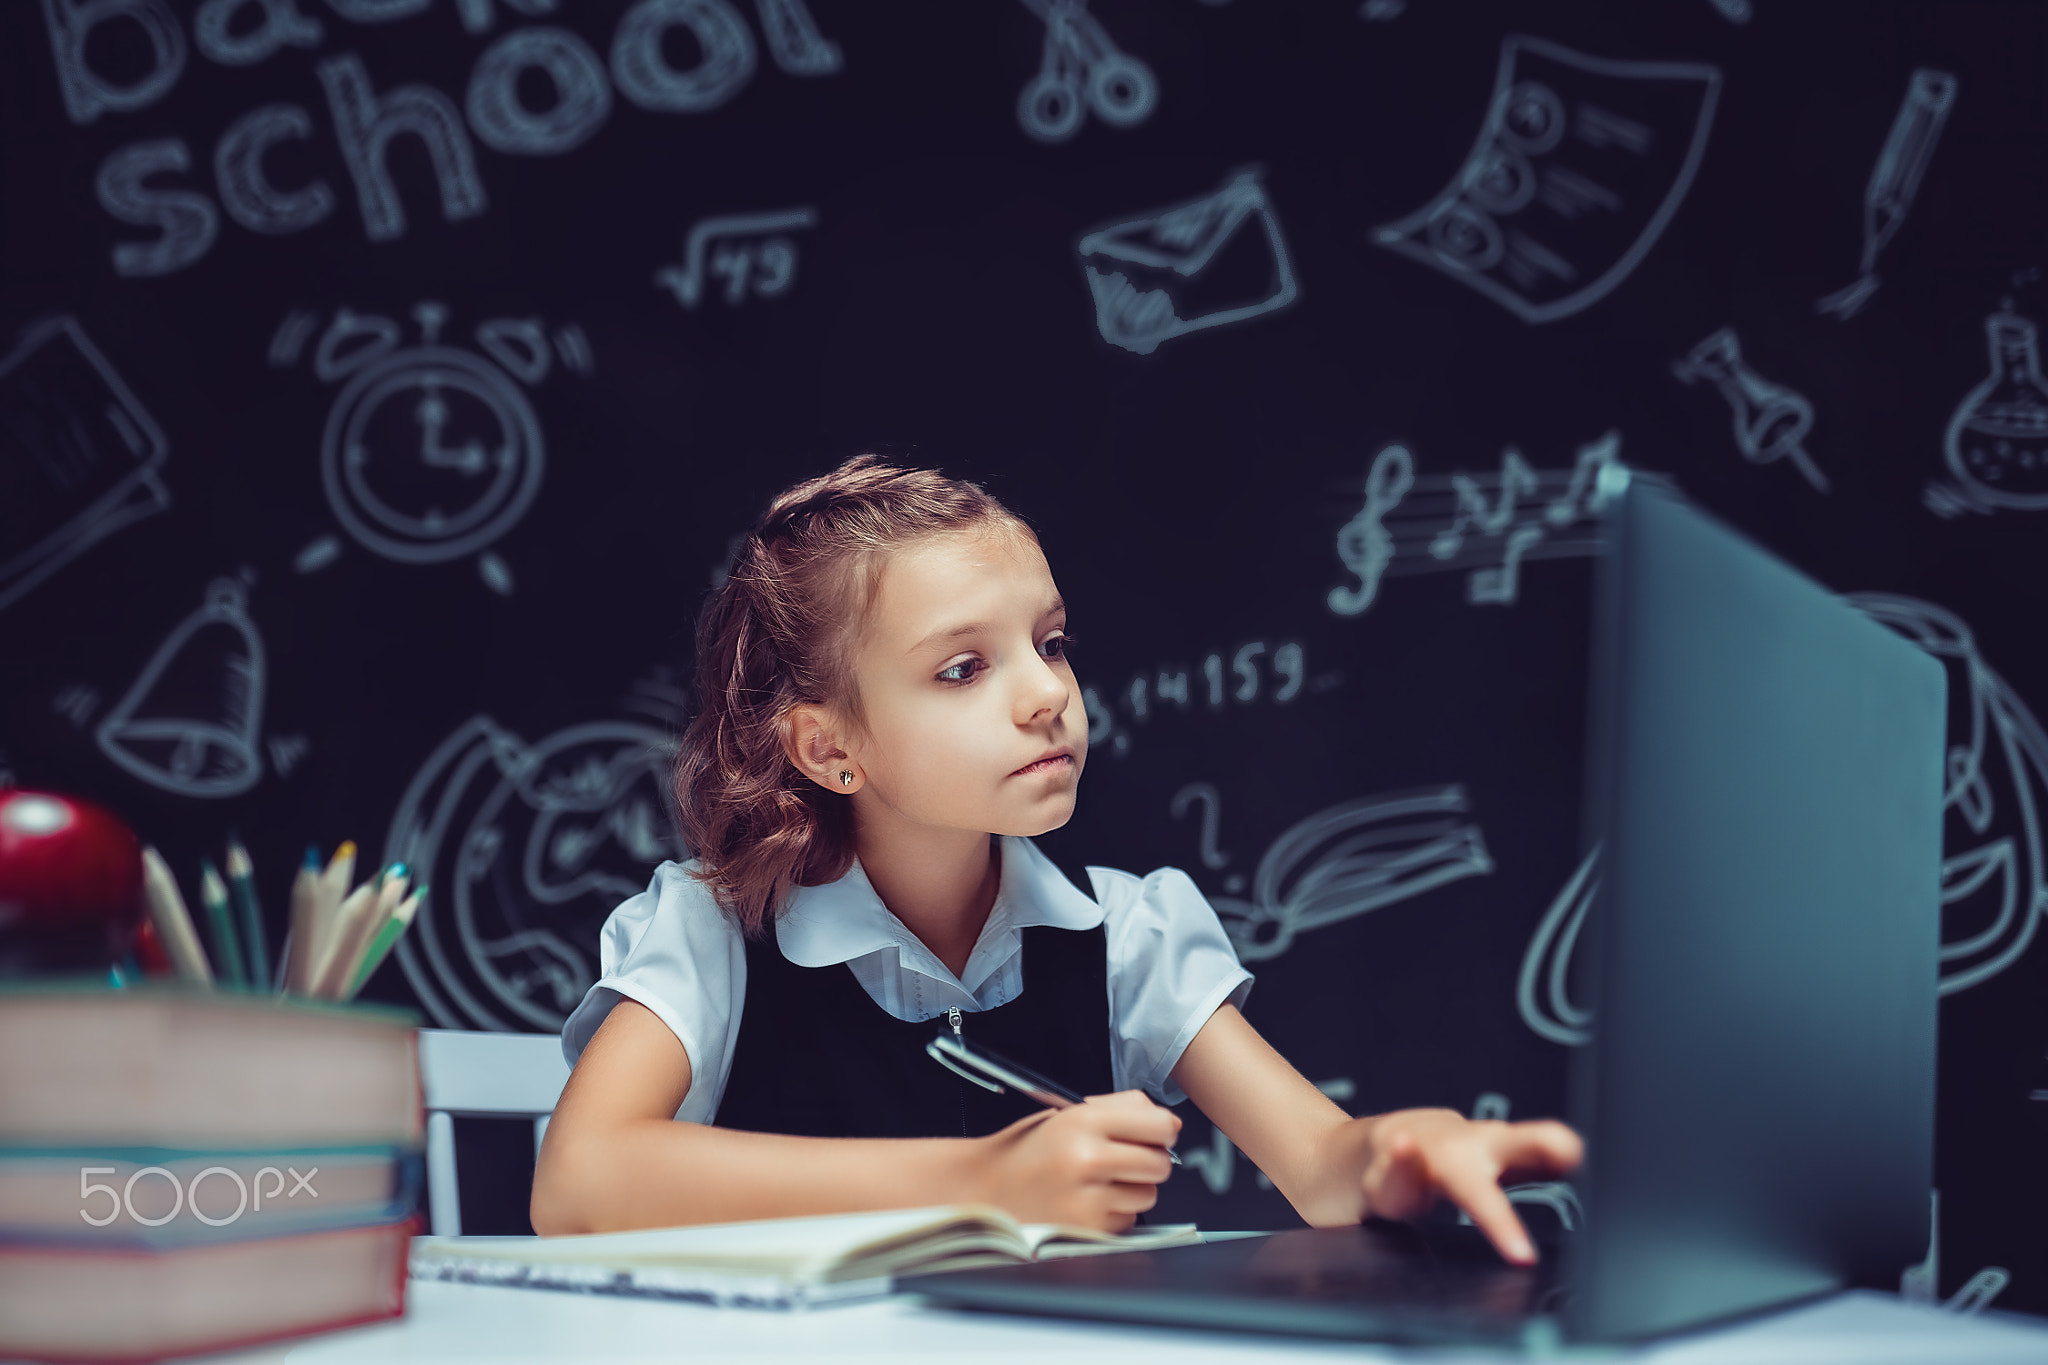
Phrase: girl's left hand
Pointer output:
(1413, 1157)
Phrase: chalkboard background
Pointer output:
(394, 375)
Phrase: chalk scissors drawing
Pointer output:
(190, 724)
(1895, 180)
(80, 457)
(1351, 858)
(1082, 69)
(1484, 525)
(745, 249)
(528, 847)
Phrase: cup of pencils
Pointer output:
(339, 933)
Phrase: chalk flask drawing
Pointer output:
(80, 457)
(1580, 164)
(528, 846)
(1895, 180)
(1081, 69)
(1997, 439)
(1771, 421)
(1168, 248)
(190, 723)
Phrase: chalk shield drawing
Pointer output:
(80, 458)
(430, 452)
(1895, 180)
(191, 722)
(1580, 164)
(1145, 274)
(751, 252)
(1771, 421)
(1080, 70)
(1996, 444)
(1484, 525)
(528, 847)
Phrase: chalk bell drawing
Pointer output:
(190, 724)
(1351, 858)
(80, 457)
(1580, 165)
(1486, 526)
(751, 252)
(528, 847)
(1082, 69)
(1143, 273)
(1996, 444)
(431, 452)
(1771, 421)
(1895, 180)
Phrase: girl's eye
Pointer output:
(961, 672)
(1056, 646)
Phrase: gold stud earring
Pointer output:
(845, 779)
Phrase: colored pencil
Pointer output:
(387, 938)
(358, 927)
(299, 942)
(220, 926)
(242, 882)
(173, 921)
(338, 928)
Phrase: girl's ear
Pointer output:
(809, 737)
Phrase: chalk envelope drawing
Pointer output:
(528, 846)
(1895, 180)
(1082, 69)
(80, 457)
(1484, 525)
(751, 252)
(1143, 273)
(190, 724)
(1352, 858)
(1771, 421)
(1580, 164)
(1996, 444)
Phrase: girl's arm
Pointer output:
(615, 1157)
(1335, 1169)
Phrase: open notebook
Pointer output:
(775, 1262)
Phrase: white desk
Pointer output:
(473, 1323)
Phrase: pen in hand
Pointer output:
(991, 1071)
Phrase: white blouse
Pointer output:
(673, 950)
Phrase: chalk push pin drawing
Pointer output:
(1082, 69)
(190, 723)
(1895, 180)
(751, 252)
(430, 452)
(1771, 420)
(1996, 444)
(1146, 274)
(1580, 164)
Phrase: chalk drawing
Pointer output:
(430, 452)
(751, 252)
(1920, 1283)
(87, 92)
(246, 191)
(1206, 796)
(1542, 990)
(1997, 439)
(582, 94)
(1580, 164)
(1559, 1196)
(191, 721)
(365, 124)
(186, 222)
(80, 457)
(1380, 11)
(1487, 526)
(528, 848)
(1734, 11)
(794, 41)
(1142, 273)
(1895, 179)
(224, 37)
(1217, 1162)
(1082, 69)
(1251, 672)
(1351, 858)
(1771, 421)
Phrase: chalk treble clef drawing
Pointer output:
(1082, 69)
(751, 252)
(1363, 543)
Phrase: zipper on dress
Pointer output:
(953, 1018)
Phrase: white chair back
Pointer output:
(481, 1075)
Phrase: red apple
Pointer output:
(70, 883)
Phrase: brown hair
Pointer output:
(779, 633)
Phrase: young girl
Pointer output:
(887, 717)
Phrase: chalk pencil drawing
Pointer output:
(1996, 444)
(1895, 180)
(528, 847)
(1351, 858)
(1771, 421)
(1487, 526)
(751, 252)
(1580, 164)
(80, 457)
(1081, 68)
(430, 452)
(1920, 1283)
(191, 722)
(1145, 273)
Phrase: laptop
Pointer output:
(1765, 776)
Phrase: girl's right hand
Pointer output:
(1095, 1165)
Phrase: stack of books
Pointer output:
(185, 1171)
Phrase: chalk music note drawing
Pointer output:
(1487, 525)
(750, 251)
(1771, 421)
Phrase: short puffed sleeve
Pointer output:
(1171, 966)
(673, 950)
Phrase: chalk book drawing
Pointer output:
(1146, 274)
(80, 458)
(1483, 525)
(1996, 444)
(1895, 180)
(431, 452)
(1994, 883)
(528, 846)
(1082, 69)
(1771, 421)
(752, 253)
(1580, 164)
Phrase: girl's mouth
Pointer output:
(1054, 763)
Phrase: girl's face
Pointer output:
(974, 721)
